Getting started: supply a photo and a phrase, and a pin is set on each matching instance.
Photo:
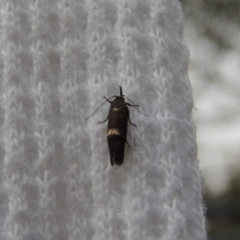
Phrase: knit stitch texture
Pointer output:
(58, 59)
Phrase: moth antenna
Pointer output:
(107, 99)
(136, 107)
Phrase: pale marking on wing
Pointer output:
(115, 109)
(113, 131)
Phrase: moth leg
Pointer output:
(104, 120)
(131, 122)
(127, 143)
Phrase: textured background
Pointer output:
(58, 59)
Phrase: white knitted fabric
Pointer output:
(58, 59)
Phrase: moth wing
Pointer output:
(116, 144)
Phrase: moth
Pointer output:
(118, 118)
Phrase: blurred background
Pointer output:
(212, 33)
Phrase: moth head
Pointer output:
(121, 98)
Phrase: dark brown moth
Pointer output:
(118, 118)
